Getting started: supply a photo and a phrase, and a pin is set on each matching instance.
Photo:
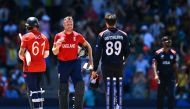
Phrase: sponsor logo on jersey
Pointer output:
(74, 38)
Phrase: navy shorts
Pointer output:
(71, 69)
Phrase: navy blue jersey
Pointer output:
(165, 63)
(112, 47)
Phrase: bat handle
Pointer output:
(20, 36)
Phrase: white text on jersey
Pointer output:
(113, 37)
(68, 46)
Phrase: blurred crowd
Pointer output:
(145, 22)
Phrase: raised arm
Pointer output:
(56, 46)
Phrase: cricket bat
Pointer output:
(27, 54)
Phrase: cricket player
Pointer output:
(66, 48)
(165, 71)
(112, 48)
(37, 45)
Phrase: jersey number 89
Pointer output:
(113, 48)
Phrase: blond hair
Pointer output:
(68, 18)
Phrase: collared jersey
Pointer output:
(165, 63)
(36, 43)
(69, 48)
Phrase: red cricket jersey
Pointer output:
(69, 48)
(36, 43)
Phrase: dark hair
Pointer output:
(29, 28)
(165, 38)
(110, 19)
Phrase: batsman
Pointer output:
(36, 45)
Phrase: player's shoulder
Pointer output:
(159, 51)
(60, 33)
(44, 36)
(27, 36)
(173, 51)
(102, 33)
(77, 33)
(122, 32)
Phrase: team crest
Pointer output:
(74, 38)
(171, 57)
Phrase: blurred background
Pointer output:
(145, 22)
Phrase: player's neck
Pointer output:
(36, 32)
(68, 31)
(111, 26)
(166, 49)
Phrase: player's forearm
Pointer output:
(90, 54)
(96, 60)
(21, 56)
(154, 68)
(21, 53)
(97, 56)
(86, 44)
(46, 53)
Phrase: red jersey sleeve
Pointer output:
(24, 42)
(55, 39)
(47, 44)
(81, 39)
